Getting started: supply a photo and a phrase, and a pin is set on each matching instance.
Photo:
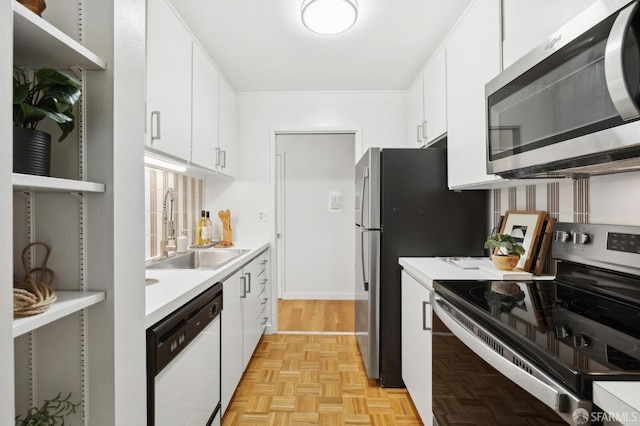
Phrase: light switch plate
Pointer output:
(335, 202)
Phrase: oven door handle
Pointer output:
(544, 388)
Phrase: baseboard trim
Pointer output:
(318, 296)
(335, 333)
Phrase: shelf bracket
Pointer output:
(77, 71)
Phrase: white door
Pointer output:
(315, 210)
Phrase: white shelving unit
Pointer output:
(23, 182)
(67, 303)
(38, 44)
(97, 234)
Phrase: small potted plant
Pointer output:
(51, 412)
(506, 251)
(45, 93)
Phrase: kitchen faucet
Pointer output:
(168, 242)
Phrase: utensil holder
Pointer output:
(227, 236)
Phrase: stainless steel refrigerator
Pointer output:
(404, 209)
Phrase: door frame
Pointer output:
(276, 273)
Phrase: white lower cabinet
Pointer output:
(416, 345)
(232, 366)
(244, 319)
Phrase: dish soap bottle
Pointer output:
(209, 226)
(202, 229)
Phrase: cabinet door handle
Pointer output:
(244, 288)
(248, 275)
(425, 305)
(419, 134)
(155, 135)
(224, 158)
(217, 157)
(424, 130)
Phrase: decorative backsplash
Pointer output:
(566, 201)
(188, 202)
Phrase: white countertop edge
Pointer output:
(177, 287)
(620, 400)
(427, 269)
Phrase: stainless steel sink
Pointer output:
(197, 259)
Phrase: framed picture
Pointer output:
(525, 227)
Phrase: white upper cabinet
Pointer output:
(168, 82)
(529, 23)
(435, 98)
(415, 114)
(228, 130)
(427, 103)
(473, 58)
(204, 130)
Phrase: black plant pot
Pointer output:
(31, 151)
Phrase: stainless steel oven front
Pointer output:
(478, 379)
(571, 105)
(534, 349)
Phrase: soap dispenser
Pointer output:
(182, 242)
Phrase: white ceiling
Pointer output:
(261, 45)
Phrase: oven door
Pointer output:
(565, 103)
(477, 380)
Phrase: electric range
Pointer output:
(583, 326)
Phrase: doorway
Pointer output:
(315, 207)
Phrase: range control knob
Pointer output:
(580, 341)
(561, 236)
(580, 238)
(562, 332)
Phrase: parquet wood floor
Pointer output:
(316, 315)
(314, 379)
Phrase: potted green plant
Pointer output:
(45, 93)
(52, 412)
(506, 251)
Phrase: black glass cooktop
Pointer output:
(583, 326)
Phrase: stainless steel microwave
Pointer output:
(571, 105)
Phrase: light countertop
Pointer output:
(620, 400)
(427, 269)
(178, 286)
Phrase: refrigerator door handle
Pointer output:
(364, 274)
(365, 177)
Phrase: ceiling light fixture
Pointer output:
(329, 16)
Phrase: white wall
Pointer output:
(378, 117)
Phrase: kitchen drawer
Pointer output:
(264, 301)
